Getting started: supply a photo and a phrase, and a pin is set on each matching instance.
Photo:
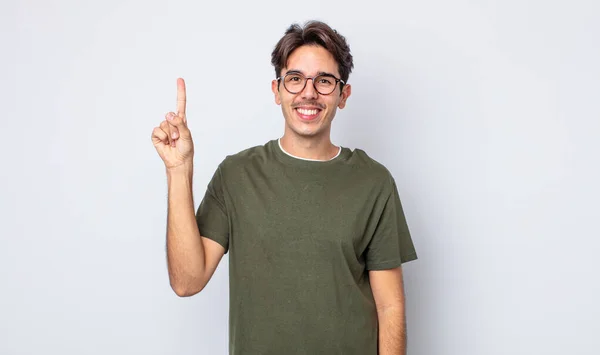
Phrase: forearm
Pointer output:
(392, 331)
(185, 252)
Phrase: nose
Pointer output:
(309, 91)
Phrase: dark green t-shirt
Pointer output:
(301, 236)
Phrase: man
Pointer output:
(315, 232)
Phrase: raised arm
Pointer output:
(191, 258)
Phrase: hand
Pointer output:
(172, 139)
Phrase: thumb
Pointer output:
(179, 122)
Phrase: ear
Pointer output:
(275, 89)
(346, 91)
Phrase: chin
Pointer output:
(303, 131)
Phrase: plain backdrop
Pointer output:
(486, 112)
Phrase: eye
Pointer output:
(294, 78)
(325, 81)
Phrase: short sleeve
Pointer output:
(391, 244)
(211, 216)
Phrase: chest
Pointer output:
(284, 218)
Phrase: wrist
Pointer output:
(182, 170)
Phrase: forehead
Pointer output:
(312, 59)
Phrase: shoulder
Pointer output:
(243, 158)
(365, 164)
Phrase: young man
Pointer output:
(315, 232)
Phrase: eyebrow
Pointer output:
(296, 71)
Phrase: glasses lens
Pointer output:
(325, 84)
(294, 83)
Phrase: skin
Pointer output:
(193, 259)
(310, 139)
(388, 291)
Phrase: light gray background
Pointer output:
(486, 112)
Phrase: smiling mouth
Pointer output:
(308, 114)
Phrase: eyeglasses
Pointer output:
(324, 84)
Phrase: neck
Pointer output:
(315, 148)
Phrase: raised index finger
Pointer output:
(180, 97)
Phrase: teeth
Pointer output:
(307, 112)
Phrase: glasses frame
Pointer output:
(312, 78)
